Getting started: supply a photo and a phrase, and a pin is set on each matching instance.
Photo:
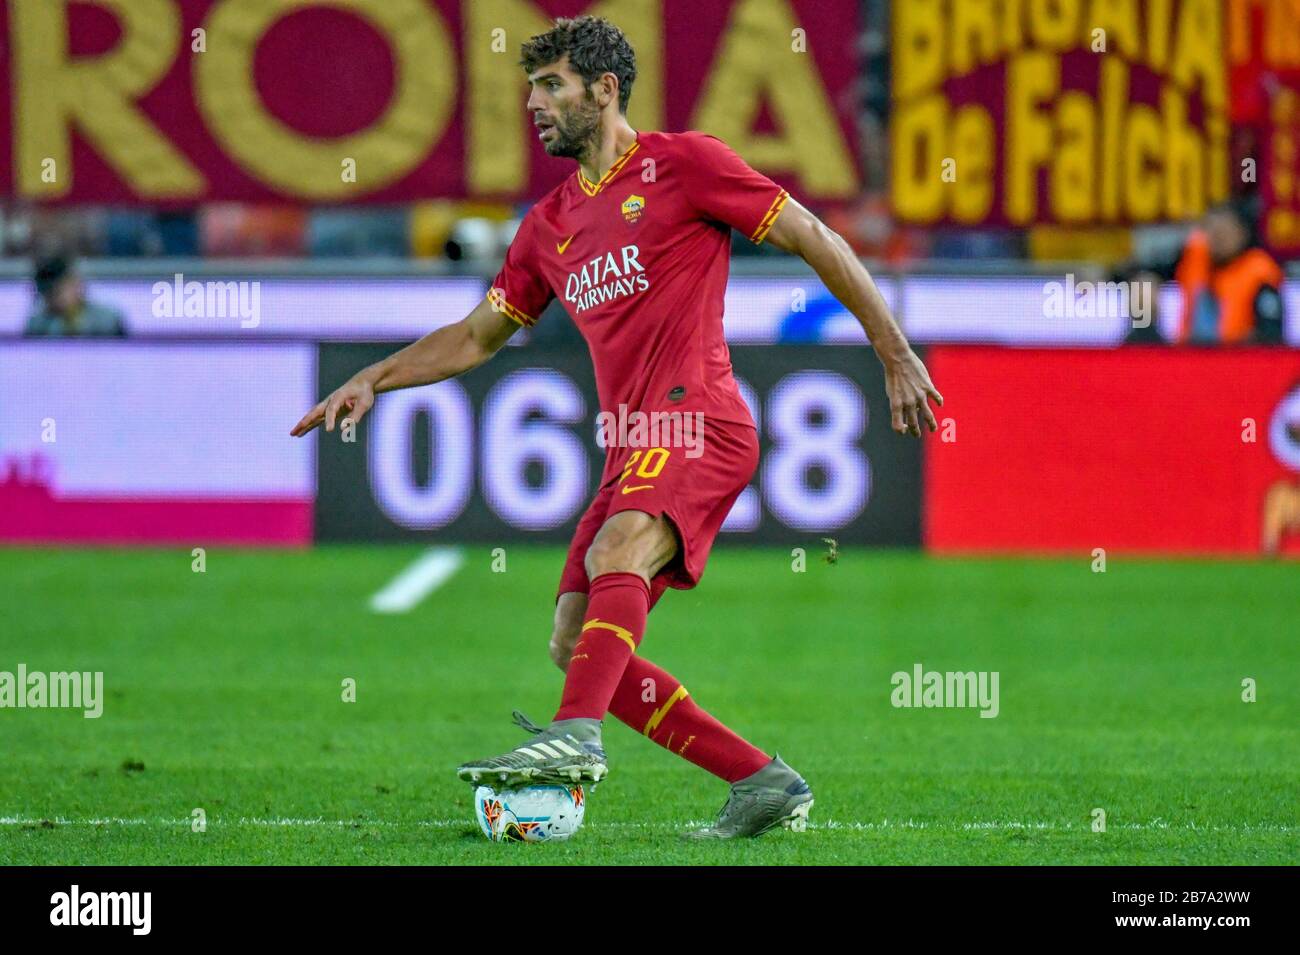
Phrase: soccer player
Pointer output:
(636, 245)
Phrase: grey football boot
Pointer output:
(567, 751)
(774, 796)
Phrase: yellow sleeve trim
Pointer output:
(497, 298)
(768, 220)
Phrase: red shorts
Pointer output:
(695, 494)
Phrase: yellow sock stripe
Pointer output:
(768, 220)
(498, 300)
(615, 629)
(592, 188)
(658, 715)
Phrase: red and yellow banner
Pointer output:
(1280, 185)
(1263, 46)
(1264, 75)
(1069, 112)
(185, 101)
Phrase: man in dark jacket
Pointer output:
(62, 308)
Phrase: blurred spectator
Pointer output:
(868, 225)
(343, 232)
(978, 244)
(481, 232)
(178, 231)
(131, 232)
(128, 232)
(474, 240)
(237, 230)
(1232, 287)
(62, 308)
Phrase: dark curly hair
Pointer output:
(595, 47)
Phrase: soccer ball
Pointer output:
(530, 813)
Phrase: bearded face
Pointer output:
(569, 130)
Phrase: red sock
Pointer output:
(617, 605)
(653, 703)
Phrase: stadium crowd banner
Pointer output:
(1263, 44)
(510, 451)
(1280, 172)
(1137, 450)
(174, 102)
(1070, 113)
(112, 442)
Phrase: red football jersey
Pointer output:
(640, 260)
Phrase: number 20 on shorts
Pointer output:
(650, 465)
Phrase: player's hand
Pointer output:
(352, 400)
(909, 388)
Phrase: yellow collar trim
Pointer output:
(593, 188)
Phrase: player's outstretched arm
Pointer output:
(908, 384)
(443, 353)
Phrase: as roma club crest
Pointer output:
(633, 206)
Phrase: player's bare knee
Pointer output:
(611, 556)
(630, 543)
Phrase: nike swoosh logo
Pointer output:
(561, 246)
(639, 487)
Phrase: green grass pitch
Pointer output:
(1119, 691)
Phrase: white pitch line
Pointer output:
(416, 582)
(830, 825)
